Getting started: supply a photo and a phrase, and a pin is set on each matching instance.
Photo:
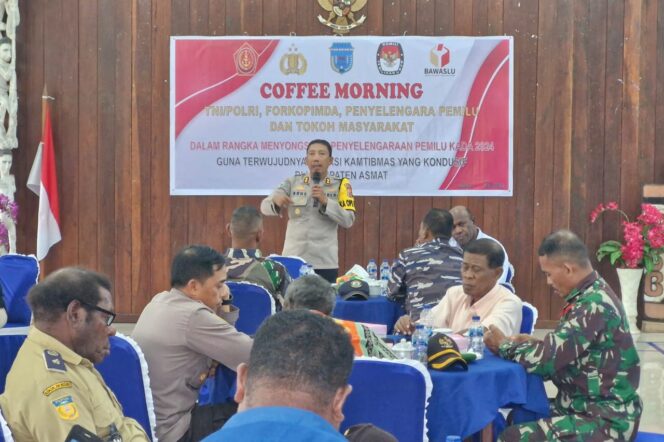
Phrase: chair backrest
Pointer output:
(292, 264)
(11, 340)
(255, 304)
(18, 273)
(378, 385)
(5, 434)
(528, 318)
(125, 371)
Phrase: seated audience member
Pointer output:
(590, 356)
(422, 274)
(465, 231)
(181, 332)
(53, 385)
(480, 294)
(312, 292)
(244, 259)
(295, 384)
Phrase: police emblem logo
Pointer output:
(246, 60)
(66, 408)
(341, 57)
(293, 62)
(389, 58)
(341, 17)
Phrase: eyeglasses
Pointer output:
(110, 315)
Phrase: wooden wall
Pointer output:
(589, 126)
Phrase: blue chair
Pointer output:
(378, 385)
(5, 434)
(528, 318)
(255, 304)
(11, 340)
(125, 371)
(649, 437)
(292, 264)
(18, 273)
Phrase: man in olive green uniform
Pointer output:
(53, 384)
(590, 356)
(245, 261)
(317, 204)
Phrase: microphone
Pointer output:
(315, 177)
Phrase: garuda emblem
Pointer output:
(342, 18)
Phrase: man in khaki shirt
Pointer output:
(53, 384)
(183, 332)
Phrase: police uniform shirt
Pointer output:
(312, 231)
(50, 388)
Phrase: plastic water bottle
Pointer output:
(453, 439)
(385, 271)
(476, 336)
(420, 342)
(425, 319)
(372, 269)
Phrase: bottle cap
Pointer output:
(476, 318)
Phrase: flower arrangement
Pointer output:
(8, 209)
(643, 238)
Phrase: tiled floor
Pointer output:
(651, 389)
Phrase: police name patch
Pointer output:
(66, 408)
(55, 387)
(54, 361)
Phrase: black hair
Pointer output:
(323, 142)
(303, 351)
(5, 40)
(195, 262)
(50, 298)
(567, 245)
(440, 222)
(310, 292)
(495, 255)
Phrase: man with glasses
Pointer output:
(53, 384)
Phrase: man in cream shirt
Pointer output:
(480, 294)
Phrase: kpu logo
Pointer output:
(389, 58)
(439, 57)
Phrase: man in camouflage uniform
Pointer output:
(422, 274)
(317, 204)
(245, 261)
(590, 356)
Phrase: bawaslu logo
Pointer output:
(439, 58)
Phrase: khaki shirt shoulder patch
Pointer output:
(55, 387)
(54, 361)
(66, 408)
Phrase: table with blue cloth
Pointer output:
(464, 402)
(375, 310)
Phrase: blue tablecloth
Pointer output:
(376, 310)
(464, 402)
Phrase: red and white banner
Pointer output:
(406, 116)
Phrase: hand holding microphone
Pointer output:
(317, 191)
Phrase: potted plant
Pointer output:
(640, 249)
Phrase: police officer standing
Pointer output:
(317, 204)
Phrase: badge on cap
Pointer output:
(66, 408)
(355, 283)
(54, 361)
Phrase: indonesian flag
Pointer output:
(44, 182)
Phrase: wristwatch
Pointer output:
(228, 301)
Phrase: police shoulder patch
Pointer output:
(66, 408)
(55, 387)
(346, 199)
(54, 361)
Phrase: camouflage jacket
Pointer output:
(422, 274)
(590, 357)
(249, 265)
